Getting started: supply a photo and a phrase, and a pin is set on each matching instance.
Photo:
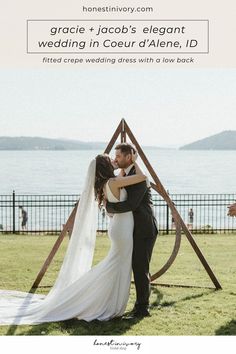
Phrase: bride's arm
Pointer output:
(119, 182)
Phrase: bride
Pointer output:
(82, 291)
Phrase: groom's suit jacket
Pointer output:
(140, 203)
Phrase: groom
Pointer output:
(145, 228)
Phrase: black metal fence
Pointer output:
(48, 213)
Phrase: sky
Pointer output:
(163, 107)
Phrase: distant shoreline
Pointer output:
(224, 141)
(47, 144)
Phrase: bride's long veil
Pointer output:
(79, 255)
(18, 307)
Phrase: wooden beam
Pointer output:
(123, 132)
(113, 139)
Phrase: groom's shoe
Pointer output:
(138, 312)
(142, 313)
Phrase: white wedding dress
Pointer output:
(100, 293)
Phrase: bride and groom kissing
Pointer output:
(100, 292)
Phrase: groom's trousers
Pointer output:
(142, 252)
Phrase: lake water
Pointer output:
(63, 172)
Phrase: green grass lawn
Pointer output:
(174, 310)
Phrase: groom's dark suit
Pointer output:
(144, 237)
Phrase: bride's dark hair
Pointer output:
(104, 171)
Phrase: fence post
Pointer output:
(14, 212)
(167, 217)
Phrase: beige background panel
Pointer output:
(14, 15)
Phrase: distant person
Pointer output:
(103, 217)
(103, 214)
(173, 221)
(232, 210)
(190, 218)
(24, 217)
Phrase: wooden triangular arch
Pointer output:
(123, 130)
